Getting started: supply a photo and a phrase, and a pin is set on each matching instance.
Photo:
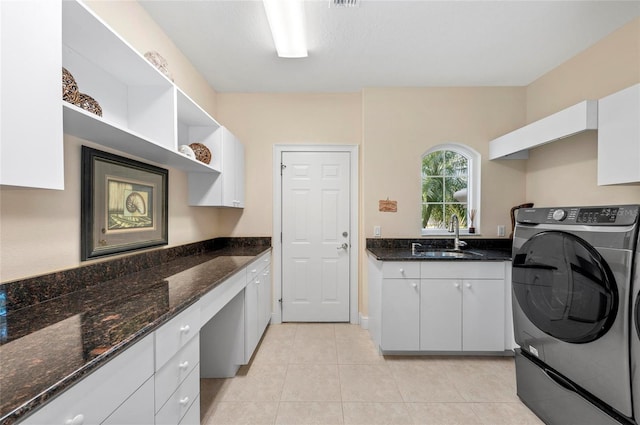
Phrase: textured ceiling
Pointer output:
(383, 43)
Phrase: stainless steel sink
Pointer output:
(447, 253)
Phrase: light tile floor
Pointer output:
(331, 374)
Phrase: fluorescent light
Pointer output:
(287, 22)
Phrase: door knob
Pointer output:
(344, 246)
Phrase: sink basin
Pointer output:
(447, 253)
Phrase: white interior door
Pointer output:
(316, 236)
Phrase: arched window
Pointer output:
(450, 185)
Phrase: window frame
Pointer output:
(473, 185)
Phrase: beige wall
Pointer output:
(565, 172)
(40, 229)
(401, 124)
(263, 120)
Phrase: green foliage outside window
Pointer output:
(445, 173)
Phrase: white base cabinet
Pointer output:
(102, 393)
(257, 304)
(157, 379)
(438, 306)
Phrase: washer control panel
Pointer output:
(597, 215)
(617, 215)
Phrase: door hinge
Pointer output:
(282, 167)
(280, 300)
(280, 237)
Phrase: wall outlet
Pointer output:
(501, 230)
(376, 232)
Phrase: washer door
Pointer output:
(638, 318)
(564, 287)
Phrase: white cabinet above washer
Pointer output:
(572, 120)
(619, 137)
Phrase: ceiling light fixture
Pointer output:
(287, 22)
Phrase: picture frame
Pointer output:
(124, 204)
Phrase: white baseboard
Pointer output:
(364, 321)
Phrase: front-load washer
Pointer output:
(572, 274)
(635, 338)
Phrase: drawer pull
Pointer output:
(184, 365)
(184, 401)
(77, 420)
(414, 284)
(457, 285)
(185, 329)
(254, 270)
(401, 270)
(468, 285)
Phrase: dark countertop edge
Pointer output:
(405, 255)
(399, 249)
(62, 385)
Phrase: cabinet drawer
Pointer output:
(101, 392)
(257, 267)
(192, 417)
(171, 375)
(462, 269)
(401, 270)
(174, 334)
(181, 400)
(137, 410)
(215, 300)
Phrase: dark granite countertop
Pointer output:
(47, 346)
(477, 249)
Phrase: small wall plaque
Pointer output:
(387, 206)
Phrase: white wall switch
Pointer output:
(376, 231)
(501, 230)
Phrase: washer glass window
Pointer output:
(565, 287)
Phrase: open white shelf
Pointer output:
(143, 112)
(572, 120)
(85, 125)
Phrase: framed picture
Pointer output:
(123, 204)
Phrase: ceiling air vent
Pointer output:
(344, 3)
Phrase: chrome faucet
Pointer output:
(454, 226)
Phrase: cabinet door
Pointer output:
(250, 319)
(619, 137)
(483, 315)
(239, 170)
(30, 78)
(264, 296)
(400, 314)
(441, 314)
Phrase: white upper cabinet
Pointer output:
(619, 137)
(31, 147)
(142, 112)
(572, 120)
(227, 189)
(140, 115)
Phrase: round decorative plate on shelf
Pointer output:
(70, 91)
(89, 104)
(187, 151)
(159, 62)
(203, 154)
